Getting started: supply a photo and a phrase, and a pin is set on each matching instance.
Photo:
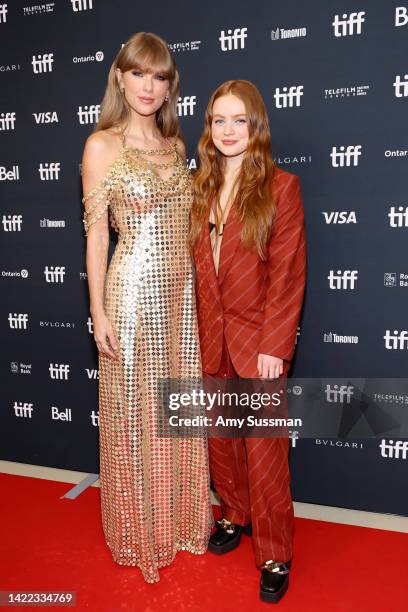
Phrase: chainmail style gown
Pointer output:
(154, 491)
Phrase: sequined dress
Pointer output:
(154, 491)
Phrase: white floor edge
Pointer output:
(331, 514)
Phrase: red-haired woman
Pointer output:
(248, 243)
(154, 490)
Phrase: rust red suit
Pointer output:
(253, 307)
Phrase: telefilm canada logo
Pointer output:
(350, 91)
(38, 9)
(192, 45)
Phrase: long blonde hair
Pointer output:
(147, 52)
(254, 201)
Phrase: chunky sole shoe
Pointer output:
(271, 597)
(222, 542)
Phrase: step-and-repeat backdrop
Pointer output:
(334, 78)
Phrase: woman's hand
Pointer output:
(105, 337)
(269, 366)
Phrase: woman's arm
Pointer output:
(97, 158)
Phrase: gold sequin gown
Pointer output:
(154, 491)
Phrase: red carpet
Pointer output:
(52, 544)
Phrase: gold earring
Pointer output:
(166, 99)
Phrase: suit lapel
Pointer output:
(230, 240)
(205, 256)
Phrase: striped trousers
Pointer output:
(251, 476)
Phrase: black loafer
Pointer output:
(274, 580)
(227, 536)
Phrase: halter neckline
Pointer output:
(170, 148)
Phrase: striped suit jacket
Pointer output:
(256, 304)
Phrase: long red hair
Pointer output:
(254, 202)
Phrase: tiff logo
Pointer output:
(54, 274)
(81, 5)
(345, 26)
(23, 410)
(401, 16)
(401, 87)
(95, 418)
(185, 106)
(42, 63)
(342, 280)
(288, 97)
(88, 114)
(345, 156)
(336, 393)
(49, 171)
(3, 13)
(89, 324)
(394, 450)
(397, 340)
(232, 41)
(18, 320)
(59, 371)
(400, 218)
(12, 223)
(7, 121)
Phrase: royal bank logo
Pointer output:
(282, 34)
(59, 371)
(186, 105)
(346, 92)
(23, 410)
(37, 9)
(345, 156)
(99, 56)
(18, 320)
(54, 274)
(193, 45)
(396, 340)
(288, 97)
(345, 279)
(88, 114)
(49, 171)
(3, 13)
(7, 121)
(338, 394)
(44, 118)
(394, 450)
(42, 63)
(12, 223)
(348, 24)
(20, 368)
(395, 279)
(232, 40)
(401, 16)
(81, 5)
(398, 218)
(335, 217)
(401, 86)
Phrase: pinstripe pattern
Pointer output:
(251, 475)
(255, 304)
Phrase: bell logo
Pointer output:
(288, 96)
(233, 40)
(401, 16)
(345, 156)
(42, 63)
(345, 26)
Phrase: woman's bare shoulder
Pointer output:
(103, 145)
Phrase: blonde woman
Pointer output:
(154, 491)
